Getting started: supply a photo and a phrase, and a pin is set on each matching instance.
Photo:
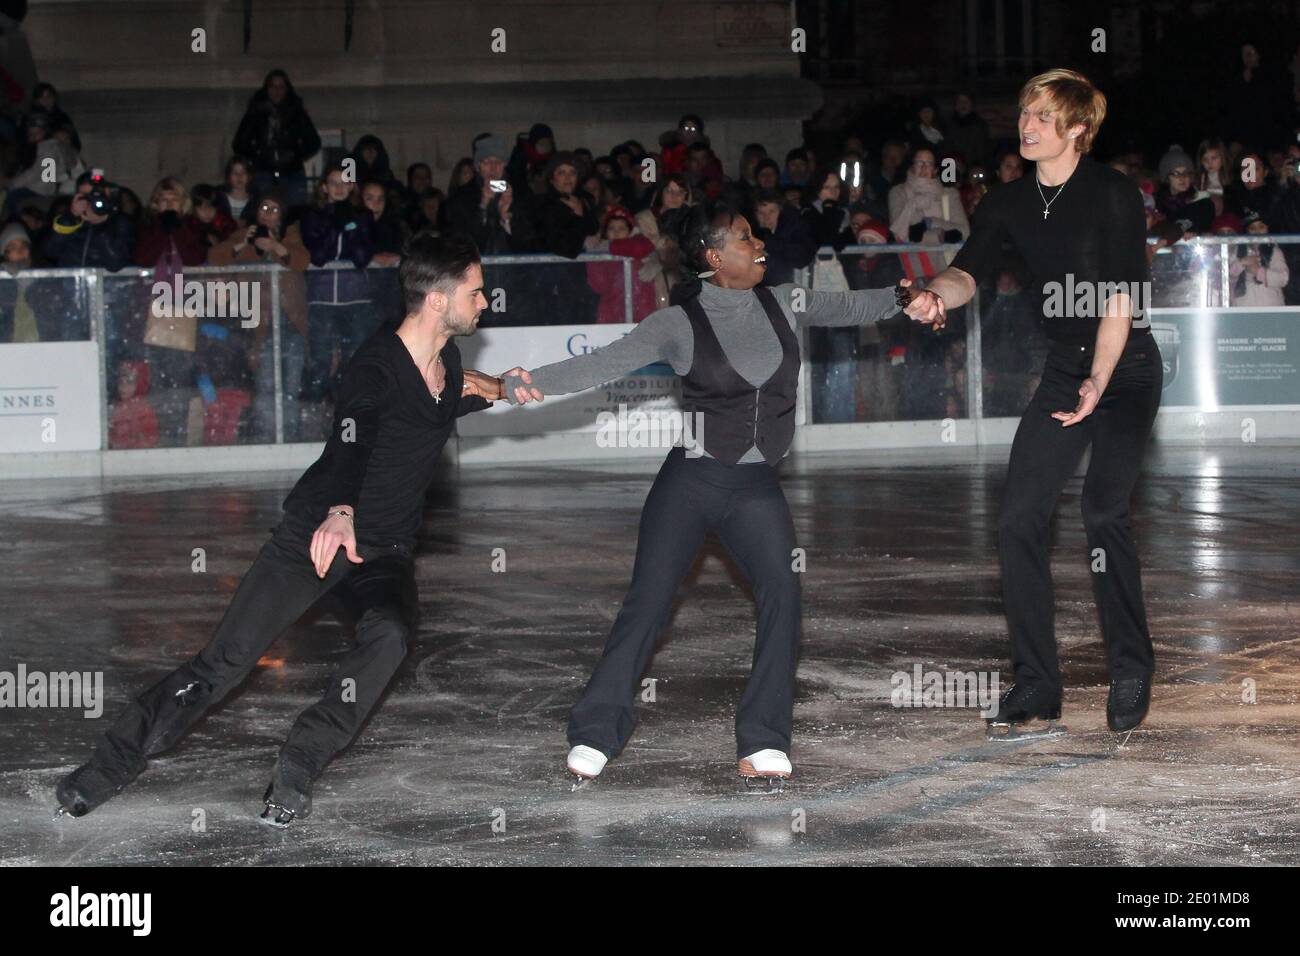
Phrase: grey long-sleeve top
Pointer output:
(742, 327)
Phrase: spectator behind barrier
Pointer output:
(619, 237)
(278, 136)
(268, 240)
(922, 209)
(339, 237)
(789, 244)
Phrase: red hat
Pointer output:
(1227, 221)
(617, 212)
(876, 226)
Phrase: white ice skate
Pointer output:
(766, 770)
(585, 764)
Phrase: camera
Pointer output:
(262, 232)
(100, 199)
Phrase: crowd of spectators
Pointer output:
(338, 236)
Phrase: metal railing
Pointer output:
(906, 374)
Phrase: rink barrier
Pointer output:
(973, 428)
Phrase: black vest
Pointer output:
(736, 415)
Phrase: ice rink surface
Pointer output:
(463, 762)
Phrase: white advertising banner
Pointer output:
(654, 391)
(49, 397)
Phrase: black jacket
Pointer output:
(277, 139)
(559, 230)
(466, 217)
(75, 243)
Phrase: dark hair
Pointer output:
(433, 262)
(819, 182)
(703, 227)
(767, 163)
(692, 118)
(410, 171)
(230, 164)
(463, 163)
(677, 179)
(254, 206)
(797, 153)
(203, 193)
(291, 96)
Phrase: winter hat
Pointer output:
(490, 146)
(1227, 221)
(876, 226)
(15, 230)
(141, 370)
(617, 212)
(1174, 158)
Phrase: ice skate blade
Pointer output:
(759, 783)
(1123, 739)
(277, 816)
(579, 781)
(1012, 733)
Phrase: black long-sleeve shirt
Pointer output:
(388, 433)
(1095, 233)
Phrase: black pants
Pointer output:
(1043, 457)
(744, 504)
(279, 587)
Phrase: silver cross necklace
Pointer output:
(437, 396)
(1047, 206)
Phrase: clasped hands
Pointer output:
(492, 387)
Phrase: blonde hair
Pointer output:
(170, 184)
(1075, 100)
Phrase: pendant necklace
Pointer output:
(1047, 206)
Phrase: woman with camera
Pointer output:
(266, 240)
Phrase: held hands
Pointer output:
(484, 386)
(493, 389)
(926, 307)
(1089, 395)
(524, 395)
(334, 532)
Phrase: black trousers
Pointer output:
(280, 586)
(744, 504)
(1044, 456)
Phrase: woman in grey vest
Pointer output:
(735, 345)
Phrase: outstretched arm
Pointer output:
(840, 308)
(661, 336)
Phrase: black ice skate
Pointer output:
(86, 788)
(1127, 705)
(1034, 705)
(288, 797)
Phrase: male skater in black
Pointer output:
(349, 523)
(1078, 224)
